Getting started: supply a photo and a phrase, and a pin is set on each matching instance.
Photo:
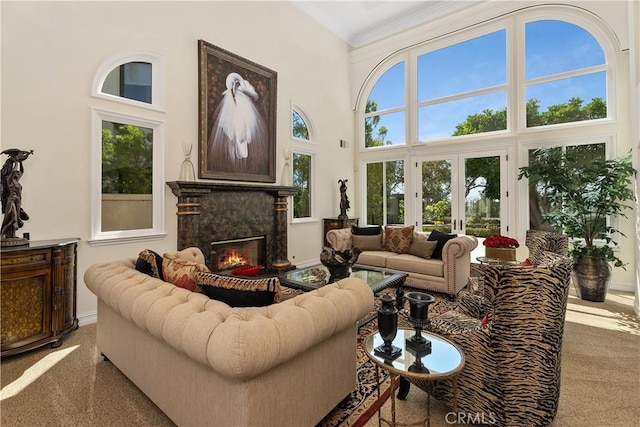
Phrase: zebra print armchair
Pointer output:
(512, 372)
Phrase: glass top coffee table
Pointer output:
(311, 278)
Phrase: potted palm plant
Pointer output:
(583, 196)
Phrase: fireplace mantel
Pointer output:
(186, 188)
(211, 211)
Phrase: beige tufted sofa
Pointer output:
(205, 363)
(448, 275)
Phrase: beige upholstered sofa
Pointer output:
(447, 275)
(205, 363)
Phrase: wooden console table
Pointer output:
(38, 286)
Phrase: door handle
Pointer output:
(454, 225)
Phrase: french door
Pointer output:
(463, 193)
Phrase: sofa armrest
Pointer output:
(340, 239)
(456, 256)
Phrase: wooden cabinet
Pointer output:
(38, 291)
(333, 223)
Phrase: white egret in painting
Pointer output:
(239, 130)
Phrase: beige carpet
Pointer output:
(71, 386)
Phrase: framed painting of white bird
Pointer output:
(237, 126)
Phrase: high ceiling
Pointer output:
(360, 22)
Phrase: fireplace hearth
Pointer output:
(217, 212)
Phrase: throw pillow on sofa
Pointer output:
(150, 263)
(375, 230)
(238, 292)
(441, 238)
(423, 248)
(181, 272)
(398, 239)
(367, 243)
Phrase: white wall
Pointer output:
(51, 51)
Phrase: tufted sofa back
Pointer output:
(236, 342)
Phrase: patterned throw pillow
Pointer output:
(398, 239)
(238, 292)
(150, 263)
(181, 272)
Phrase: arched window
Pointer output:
(385, 112)
(303, 168)
(491, 91)
(135, 78)
(565, 74)
(127, 172)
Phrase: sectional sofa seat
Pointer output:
(204, 363)
(447, 271)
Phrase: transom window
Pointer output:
(461, 87)
(566, 78)
(131, 80)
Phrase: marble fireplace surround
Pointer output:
(214, 211)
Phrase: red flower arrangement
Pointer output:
(498, 241)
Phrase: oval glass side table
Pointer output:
(445, 361)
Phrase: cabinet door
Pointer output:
(26, 299)
(64, 288)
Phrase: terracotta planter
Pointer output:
(504, 254)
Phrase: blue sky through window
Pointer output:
(552, 47)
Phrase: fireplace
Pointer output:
(219, 212)
(234, 253)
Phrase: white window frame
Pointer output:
(157, 78)
(99, 237)
(610, 142)
(562, 14)
(298, 109)
(313, 186)
(516, 137)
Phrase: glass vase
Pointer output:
(187, 171)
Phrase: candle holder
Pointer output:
(419, 319)
(388, 328)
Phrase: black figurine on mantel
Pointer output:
(14, 215)
(344, 200)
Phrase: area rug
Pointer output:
(356, 409)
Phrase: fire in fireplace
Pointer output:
(230, 254)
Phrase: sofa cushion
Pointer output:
(150, 263)
(239, 292)
(398, 239)
(375, 258)
(441, 238)
(423, 248)
(181, 272)
(367, 242)
(414, 264)
(366, 231)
